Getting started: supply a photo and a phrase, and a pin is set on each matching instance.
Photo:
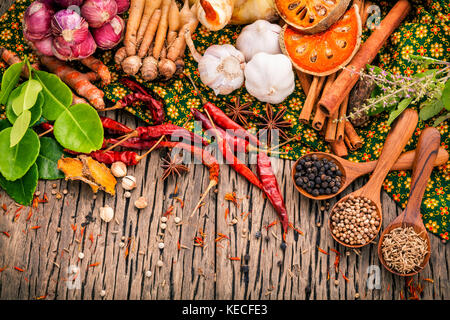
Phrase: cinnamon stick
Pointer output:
(340, 131)
(311, 98)
(320, 116)
(305, 80)
(353, 138)
(341, 87)
(339, 148)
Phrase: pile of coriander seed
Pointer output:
(355, 221)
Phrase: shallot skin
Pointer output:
(68, 3)
(37, 21)
(122, 6)
(99, 12)
(70, 27)
(110, 34)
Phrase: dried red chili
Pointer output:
(114, 127)
(323, 251)
(19, 269)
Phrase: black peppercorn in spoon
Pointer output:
(353, 170)
(427, 150)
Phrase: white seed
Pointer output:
(81, 255)
(141, 203)
(163, 226)
(234, 221)
(148, 274)
(122, 244)
(164, 219)
(129, 182)
(102, 293)
(119, 169)
(159, 263)
(127, 194)
(106, 213)
(161, 245)
(177, 220)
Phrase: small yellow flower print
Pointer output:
(6, 34)
(431, 203)
(407, 51)
(436, 50)
(421, 32)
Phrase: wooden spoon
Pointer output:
(396, 140)
(353, 170)
(427, 150)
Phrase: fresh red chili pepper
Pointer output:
(168, 129)
(46, 126)
(238, 145)
(223, 140)
(264, 166)
(223, 121)
(114, 127)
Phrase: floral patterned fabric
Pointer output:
(425, 32)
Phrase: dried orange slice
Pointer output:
(311, 16)
(324, 53)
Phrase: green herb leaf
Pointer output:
(446, 95)
(36, 110)
(27, 97)
(16, 161)
(22, 190)
(47, 160)
(10, 79)
(58, 96)
(79, 129)
(441, 119)
(400, 108)
(430, 109)
(19, 128)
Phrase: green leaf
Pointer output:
(446, 95)
(79, 129)
(58, 96)
(16, 161)
(19, 128)
(400, 108)
(10, 79)
(36, 110)
(430, 109)
(28, 96)
(47, 160)
(441, 119)
(22, 190)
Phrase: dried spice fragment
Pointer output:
(99, 173)
(73, 170)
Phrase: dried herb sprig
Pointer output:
(395, 92)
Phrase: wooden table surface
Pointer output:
(49, 255)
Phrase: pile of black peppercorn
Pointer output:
(318, 176)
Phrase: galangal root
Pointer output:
(154, 41)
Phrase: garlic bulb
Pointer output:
(221, 67)
(269, 77)
(260, 36)
(106, 213)
(214, 14)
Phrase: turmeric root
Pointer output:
(189, 23)
(120, 55)
(11, 58)
(76, 80)
(149, 34)
(149, 70)
(166, 68)
(174, 23)
(77, 100)
(134, 19)
(162, 29)
(131, 65)
(98, 67)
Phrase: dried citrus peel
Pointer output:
(99, 173)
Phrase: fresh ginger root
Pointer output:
(76, 80)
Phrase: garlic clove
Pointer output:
(141, 203)
(106, 213)
(129, 182)
(119, 169)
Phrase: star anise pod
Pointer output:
(173, 166)
(238, 111)
(273, 121)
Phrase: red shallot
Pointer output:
(65, 52)
(69, 27)
(68, 3)
(36, 21)
(110, 34)
(44, 46)
(98, 12)
(122, 6)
